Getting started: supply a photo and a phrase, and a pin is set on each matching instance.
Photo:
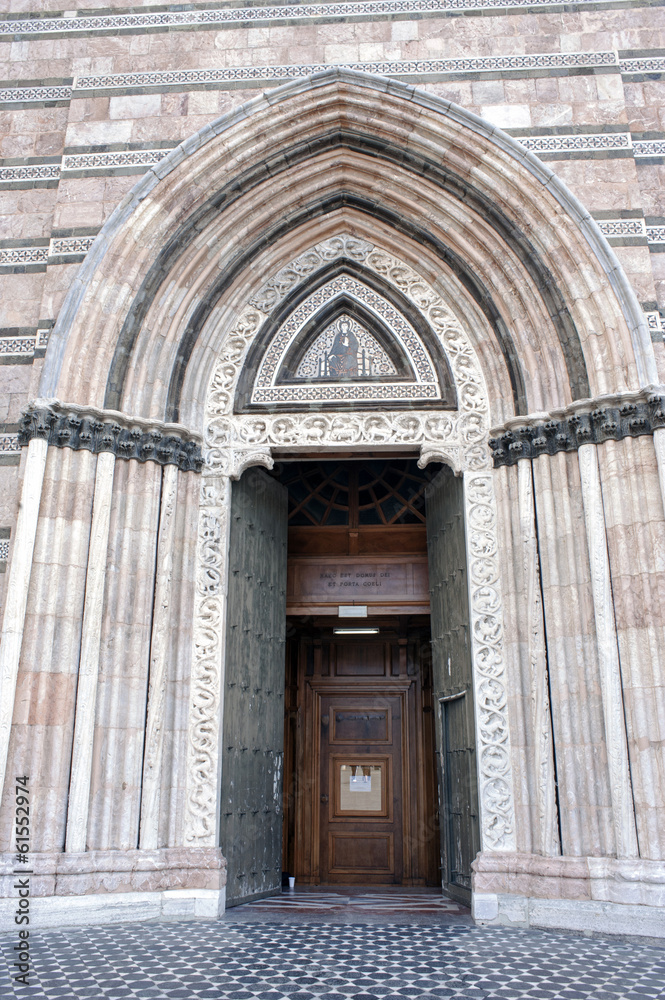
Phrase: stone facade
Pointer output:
(495, 168)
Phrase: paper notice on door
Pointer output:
(360, 792)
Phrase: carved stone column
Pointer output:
(86, 692)
(577, 712)
(594, 619)
(659, 446)
(17, 589)
(608, 656)
(154, 738)
(546, 837)
(635, 530)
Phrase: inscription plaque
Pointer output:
(315, 583)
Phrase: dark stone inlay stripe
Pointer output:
(618, 213)
(120, 147)
(25, 241)
(605, 129)
(584, 154)
(30, 161)
(439, 175)
(627, 241)
(10, 361)
(74, 231)
(48, 81)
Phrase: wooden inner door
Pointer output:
(359, 760)
(362, 801)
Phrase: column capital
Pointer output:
(70, 425)
(586, 421)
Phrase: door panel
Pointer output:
(359, 659)
(360, 802)
(252, 754)
(355, 854)
(362, 727)
(459, 769)
(361, 786)
(452, 683)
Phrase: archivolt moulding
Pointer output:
(234, 441)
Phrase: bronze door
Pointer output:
(253, 747)
(453, 684)
(361, 788)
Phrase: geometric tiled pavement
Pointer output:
(230, 960)
(350, 904)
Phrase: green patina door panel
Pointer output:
(453, 684)
(253, 735)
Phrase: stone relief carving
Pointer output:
(232, 442)
(423, 385)
(202, 776)
(345, 349)
(492, 731)
(89, 429)
(606, 418)
(274, 290)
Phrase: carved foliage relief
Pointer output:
(232, 442)
(205, 685)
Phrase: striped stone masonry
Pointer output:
(74, 23)
(173, 79)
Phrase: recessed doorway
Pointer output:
(359, 753)
(353, 762)
(359, 741)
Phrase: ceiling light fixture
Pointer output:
(355, 631)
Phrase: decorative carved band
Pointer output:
(592, 422)
(89, 429)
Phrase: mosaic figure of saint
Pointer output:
(343, 358)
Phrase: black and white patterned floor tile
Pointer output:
(379, 903)
(311, 961)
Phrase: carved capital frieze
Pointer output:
(589, 421)
(89, 429)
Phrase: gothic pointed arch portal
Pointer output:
(219, 321)
(456, 437)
